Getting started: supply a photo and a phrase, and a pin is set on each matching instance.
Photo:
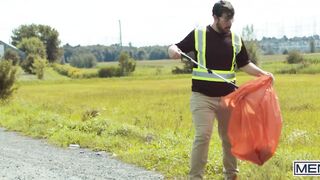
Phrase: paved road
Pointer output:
(26, 158)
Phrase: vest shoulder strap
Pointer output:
(236, 41)
(200, 45)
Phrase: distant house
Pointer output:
(4, 46)
(284, 44)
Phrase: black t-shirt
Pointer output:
(219, 54)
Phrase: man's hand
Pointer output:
(174, 52)
(271, 75)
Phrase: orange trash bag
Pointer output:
(255, 120)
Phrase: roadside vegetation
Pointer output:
(7, 80)
(143, 118)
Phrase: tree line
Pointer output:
(41, 45)
(111, 53)
(31, 35)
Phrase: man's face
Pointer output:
(224, 23)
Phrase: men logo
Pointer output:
(306, 168)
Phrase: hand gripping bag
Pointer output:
(255, 120)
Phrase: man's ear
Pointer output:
(215, 17)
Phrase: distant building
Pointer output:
(284, 44)
(4, 46)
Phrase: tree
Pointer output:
(141, 54)
(127, 65)
(24, 31)
(34, 49)
(251, 44)
(48, 36)
(312, 46)
(157, 53)
(32, 46)
(68, 51)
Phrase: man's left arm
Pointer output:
(254, 70)
(245, 65)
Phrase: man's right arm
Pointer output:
(174, 52)
(186, 45)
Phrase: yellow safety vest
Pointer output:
(200, 45)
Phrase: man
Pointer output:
(218, 49)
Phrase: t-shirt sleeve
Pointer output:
(187, 44)
(242, 58)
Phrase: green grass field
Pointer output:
(144, 119)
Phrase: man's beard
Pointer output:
(223, 30)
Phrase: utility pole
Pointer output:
(120, 43)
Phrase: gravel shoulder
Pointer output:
(26, 158)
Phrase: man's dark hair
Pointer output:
(223, 7)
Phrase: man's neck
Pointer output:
(214, 27)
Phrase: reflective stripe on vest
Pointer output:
(236, 44)
(200, 46)
(202, 74)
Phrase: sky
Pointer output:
(149, 22)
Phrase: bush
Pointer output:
(294, 57)
(187, 68)
(12, 55)
(109, 72)
(26, 64)
(178, 70)
(83, 60)
(7, 79)
(127, 65)
(67, 70)
(292, 69)
(61, 69)
(73, 72)
(38, 67)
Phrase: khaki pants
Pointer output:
(204, 110)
